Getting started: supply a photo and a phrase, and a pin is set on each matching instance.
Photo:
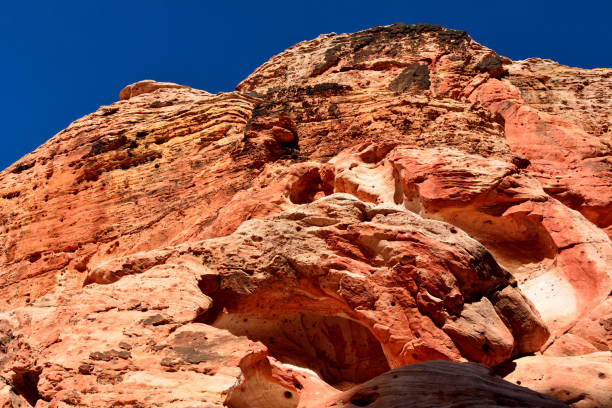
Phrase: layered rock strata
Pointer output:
(361, 205)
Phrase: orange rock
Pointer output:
(145, 86)
(360, 202)
(582, 381)
(560, 259)
(341, 288)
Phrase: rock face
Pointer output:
(427, 385)
(583, 381)
(361, 203)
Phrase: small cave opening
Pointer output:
(342, 351)
(25, 384)
(309, 187)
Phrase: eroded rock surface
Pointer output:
(339, 288)
(360, 202)
(582, 381)
(432, 384)
(372, 281)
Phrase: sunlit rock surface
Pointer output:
(361, 203)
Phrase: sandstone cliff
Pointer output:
(360, 206)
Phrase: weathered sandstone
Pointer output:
(145, 86)
(341, 288)
(582, 381)
(427, 385)
(361, 205)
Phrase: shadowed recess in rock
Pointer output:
(25, 383)
(343, 352)
(339, 349)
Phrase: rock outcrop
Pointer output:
(433, 384)
(361, 206)
(583, 381)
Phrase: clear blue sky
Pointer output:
(62, 59)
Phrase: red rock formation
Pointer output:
(340, 288)
(583, 381)
(145, 86)
(421, 291)
(360, 202)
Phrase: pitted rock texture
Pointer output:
(343, 289)
(361, 203)
(582, 381)
(421, 291)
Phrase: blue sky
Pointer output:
(62, 59)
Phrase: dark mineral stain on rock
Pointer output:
(491, 64)
(331, 59)
(194, 348)
(414, 76)
(373, 41)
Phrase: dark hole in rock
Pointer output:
(26, 384)
(209, 284)
(364, 399)
(307, 186)
(35, 257)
